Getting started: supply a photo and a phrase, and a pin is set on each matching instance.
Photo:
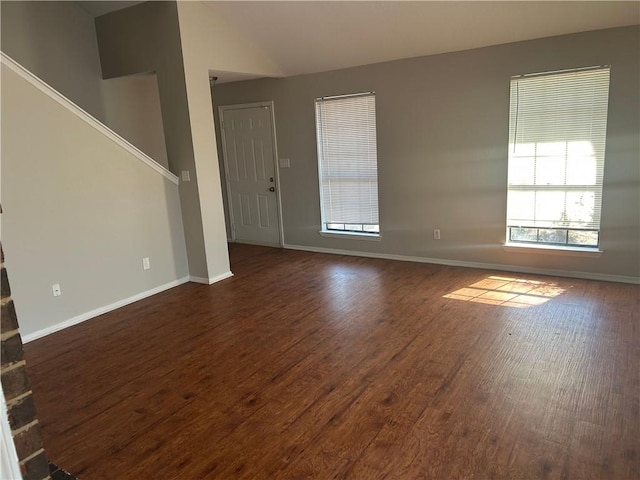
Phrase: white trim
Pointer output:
(202, 280)
(485, 266)
(101, 310)
(211, 280)
(276, 163)
(375, 237)
(552, 250)
(9, 462)
(79, 112)
(261, 244)
(243, 106)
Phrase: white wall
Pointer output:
(209, 40)
(80, 211)
(9, 464)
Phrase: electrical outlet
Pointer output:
(56, 290)
(436, 234)
(145, 263)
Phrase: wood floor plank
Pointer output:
(305, 365)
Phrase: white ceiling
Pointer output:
(314, 36)
(305, 37)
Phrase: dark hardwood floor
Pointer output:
(316, 366)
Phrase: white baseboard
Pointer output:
(484, 266)
(209, 281)
(99, 311)
(260, 244)
(405, 258)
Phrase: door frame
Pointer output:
(244, 106)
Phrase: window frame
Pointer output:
(359, 229)
(596, 189)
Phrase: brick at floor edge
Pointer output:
(29, 441)
(37, 468)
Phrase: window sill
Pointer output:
(351, 235)
(552, 250)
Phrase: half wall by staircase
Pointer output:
(82, 208)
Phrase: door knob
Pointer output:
(271, 179)
(272, 189)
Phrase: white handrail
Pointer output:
(88, 118)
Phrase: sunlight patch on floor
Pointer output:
(508, 292)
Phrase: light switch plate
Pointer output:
(285, 163)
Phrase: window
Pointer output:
(348, 163)
(557, 132)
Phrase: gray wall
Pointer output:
(132, 108)
(146, 37)
(79, 210)
(56, 41)
(442, 124)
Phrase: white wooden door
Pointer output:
(248, 144)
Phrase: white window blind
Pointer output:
(347, 162)
(557, 133)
